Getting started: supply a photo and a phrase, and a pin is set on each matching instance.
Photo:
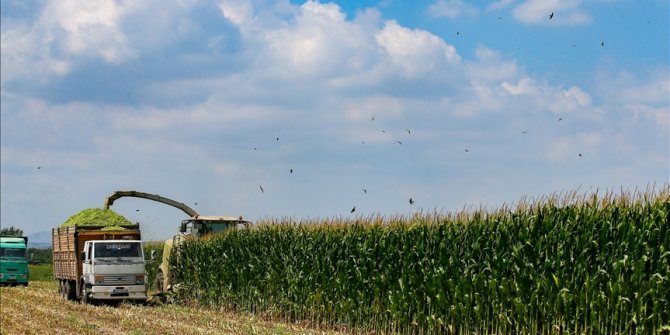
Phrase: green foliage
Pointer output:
(42, 272)
(96, 217)
(152, 265)
(40, 256)
(571, 265)
(11, 231)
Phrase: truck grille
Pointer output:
(118, 280)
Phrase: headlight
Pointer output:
(139, 279)
(99, 280)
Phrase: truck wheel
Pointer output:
(71, 290)
(84, 295)
(61, 288)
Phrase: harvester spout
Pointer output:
(155, 197)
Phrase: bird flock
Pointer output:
(411, 201)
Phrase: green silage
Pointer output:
(97, 217)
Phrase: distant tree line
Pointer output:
(11, 231)
(39, 255)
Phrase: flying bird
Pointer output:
(365, 191)
(290, 171)
(196, 204)
(560, 119)
(137, 210)
(551, 16)
(602, 44)
(466, 150)
(262, 190)
(277, 138)
(353, 209)
(399, 142)
(580, 155)
(525, 131)
(39, 168)
(411, 201)
(373, 118)
(408, 132)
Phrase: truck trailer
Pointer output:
(13, 261)
(99, 263)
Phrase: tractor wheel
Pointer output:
(159, 281)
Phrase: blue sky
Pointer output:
(455, 104)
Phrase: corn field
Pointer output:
(563, 264)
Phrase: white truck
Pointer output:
(96, 263)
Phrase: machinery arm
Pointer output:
(155, 197)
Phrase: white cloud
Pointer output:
(26, 54)
(500, 4)
(566, 12)
(452, 8)
(565, 149)
(239, 12)
(489, 67)
(638, 98)
(525, 86)
(581, 97)
(90, 28)
(416, 52)
(379, 107)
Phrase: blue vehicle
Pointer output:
(13, 261)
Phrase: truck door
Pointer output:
(87, 261)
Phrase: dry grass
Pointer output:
(37, 309)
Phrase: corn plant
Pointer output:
(563, 264)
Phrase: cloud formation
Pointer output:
(204, 101)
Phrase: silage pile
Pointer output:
(98, 217)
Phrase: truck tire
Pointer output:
(61, 288)
(84, 295)
(71, 290)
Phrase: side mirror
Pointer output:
(153, 255)
(83, 255)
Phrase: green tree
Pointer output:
(11, 231)
(40, 256)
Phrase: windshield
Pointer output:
(118, 249)
(12, 252)
(208, 227)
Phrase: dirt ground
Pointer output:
(38, 309)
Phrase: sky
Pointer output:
(326, 106)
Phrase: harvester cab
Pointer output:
(203, 225)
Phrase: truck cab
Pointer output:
(13, 261)
(113, 270)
